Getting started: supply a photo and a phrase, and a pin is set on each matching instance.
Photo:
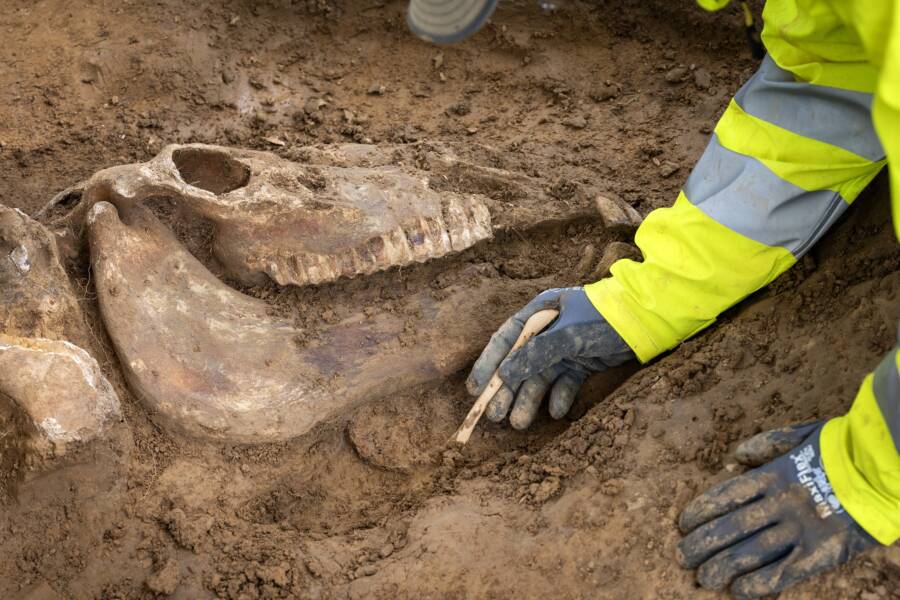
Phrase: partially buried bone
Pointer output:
(213, 362)
(516, 201)
(342, 210)
(36, 298)
(289, 222)
(60, 420)
(56, 407)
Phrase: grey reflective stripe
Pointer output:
(742, 194)
(842, 118)
(886, 386)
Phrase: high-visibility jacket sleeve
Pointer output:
(793, 149)
(861, 453)
(786, 159)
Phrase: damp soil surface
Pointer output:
(595, 97)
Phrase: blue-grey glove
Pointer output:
(579, 342)
(773, 526)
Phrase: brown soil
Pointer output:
(376, 505)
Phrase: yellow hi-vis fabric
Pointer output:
(782, 165)
(860, 454)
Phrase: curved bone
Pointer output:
(212, 362)
(297, 224)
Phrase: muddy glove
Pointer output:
(579, 342)
(772, 526)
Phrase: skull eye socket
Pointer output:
(209, 170)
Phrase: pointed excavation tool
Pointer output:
(533, 326)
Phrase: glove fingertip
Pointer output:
(769, 445)
(688, 518)
(561, 403)
(680, 556)
(557, 411)
(522, 415)
(498, 407)
(518, 421)
(562, 396)
(473, 386)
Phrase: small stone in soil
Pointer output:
(702, 78)
(576, 122)
(604, 92)
(667, 169)
(587, 260)
(676, 75)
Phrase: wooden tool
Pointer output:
(533, 326)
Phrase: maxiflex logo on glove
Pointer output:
(811, 475)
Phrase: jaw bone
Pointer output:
(293, 223)
(213, 363)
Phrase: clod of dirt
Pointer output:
(667, 169)
(604, 92)
(56, 399)
(676, 75)
(36, 298)
(273, 220)
(165, 581)
(41, 591)
(576, 122)
(702, 78)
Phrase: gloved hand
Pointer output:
(773, 526)
(577, 343)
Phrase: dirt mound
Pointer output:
(596, 97)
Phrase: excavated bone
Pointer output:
(516, 201)
(293, 223)
(54, 401)
(36, 298)
(212, 362)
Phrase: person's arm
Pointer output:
(820, 495)
(823, 493)
(786, 160)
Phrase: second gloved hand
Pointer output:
(773, 526)
(579, 342)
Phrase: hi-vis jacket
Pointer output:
(796, 145)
